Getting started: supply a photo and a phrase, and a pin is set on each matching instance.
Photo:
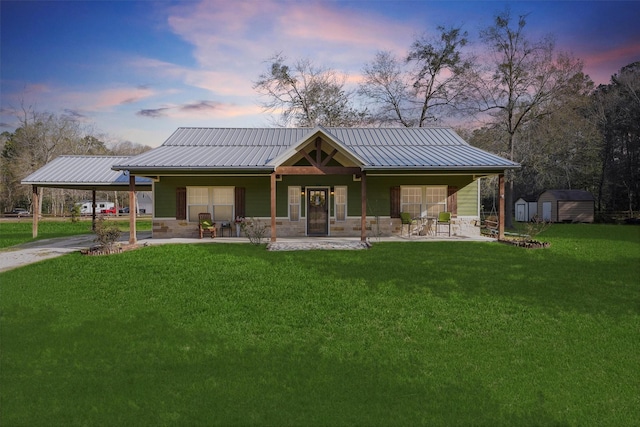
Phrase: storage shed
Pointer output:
(566, 206)
(526, 208)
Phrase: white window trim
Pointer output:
(298, 191)
(423, 195)
(426, 205)
(190, 190)
(209, 205)
(346, 201)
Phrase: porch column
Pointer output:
(363, 217)
(93, 210)
(273, 206)
(501, 206)
(36, 211)
(133, 238)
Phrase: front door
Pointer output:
(317, 211)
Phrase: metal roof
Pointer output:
(258, 148)
(84, 172)
(573, 195)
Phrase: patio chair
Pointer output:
(444, 219)
(206, 224)
(405, 219)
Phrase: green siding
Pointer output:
(468, 199)
(258, 192)
(378, 202)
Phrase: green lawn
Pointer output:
(430, 333)
(15, 232)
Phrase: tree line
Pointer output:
(515, 96)
(39, 139)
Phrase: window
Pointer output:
(197, 202)
(217, 200)
(423, 201)
(294, 203)
(340, 200)
(411, 201)
(223, 199)
(436, 200)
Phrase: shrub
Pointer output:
(527, 231)
(107, 233)
(75, 213)
(255, 230)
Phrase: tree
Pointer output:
(522, 82)
(417, 91)
(128, 148)
(306, 95)
(40, 138)
(561, 150)
(617, 107)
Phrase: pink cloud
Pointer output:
(239, 35)
(603, 64)
(621, 53)
(110, 98)
(331, 25)
(218, 82)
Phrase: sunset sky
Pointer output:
(137, 70)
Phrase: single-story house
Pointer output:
(566, 206)
(315, 181)
(526, 208)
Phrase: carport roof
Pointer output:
(85, 173)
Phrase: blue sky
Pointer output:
(137, 70)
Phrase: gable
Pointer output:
(319, 148)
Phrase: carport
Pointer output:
(91, 173)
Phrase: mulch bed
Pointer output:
(528, 244)
(99, 250)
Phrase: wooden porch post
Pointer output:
(273, 206)
(501, 206)
(36, 211)
(133, 238)
(363, 220)
(93, 210)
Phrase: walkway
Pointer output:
(28, 253)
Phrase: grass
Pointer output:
(429, 333)
(15, 232)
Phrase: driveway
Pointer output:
(28, 253)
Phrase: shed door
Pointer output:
(521, 215)
(546, 211)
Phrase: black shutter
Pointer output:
(240, 201)
(181, 203)
(394, 198)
